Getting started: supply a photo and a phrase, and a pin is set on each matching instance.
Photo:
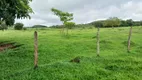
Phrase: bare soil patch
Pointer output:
(4, 46)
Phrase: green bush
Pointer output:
(24, 28)
(18, 26)
(3, 26)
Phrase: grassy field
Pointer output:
(55, 52)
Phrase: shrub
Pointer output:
(18, 26)
(3, 26)
(24, 28)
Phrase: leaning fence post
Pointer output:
(35, 49)
(98, 42)
(129, 40)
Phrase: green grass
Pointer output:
(55, 52)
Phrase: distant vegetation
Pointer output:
(111, 22)
(18, 26)
(115, 22)
(39, 26)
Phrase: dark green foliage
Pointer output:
(112, 22)
(129, 22)
(11, 9)
(137, 23)
(123, 23)
(115, 22)
(98, 24)
(24, 28)
(18, 26)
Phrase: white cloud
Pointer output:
(84, 10)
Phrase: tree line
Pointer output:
(110, 22)
(116, 22)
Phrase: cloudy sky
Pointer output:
(84, 10)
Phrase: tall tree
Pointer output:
(64, 16)
(11, 9)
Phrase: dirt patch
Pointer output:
(4, 46)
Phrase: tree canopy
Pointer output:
(129, 22)
(112, 21)
(64, 16)
(11, 9)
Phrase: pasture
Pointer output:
(55, 52)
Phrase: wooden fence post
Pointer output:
(98, 42)
(35, 49)
(129, 39)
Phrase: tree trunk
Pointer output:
(129, 39)
(98, 42)
(62, 29)
(36, 50)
